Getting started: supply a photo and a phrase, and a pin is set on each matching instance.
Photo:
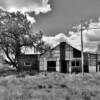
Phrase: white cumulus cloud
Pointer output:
(26, 6)
(54, 40)
(91, 37)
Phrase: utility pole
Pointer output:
(82, 56)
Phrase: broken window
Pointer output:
(98, 63)
(75, 63)
(27, 63)
(76, 66)
(76, 53)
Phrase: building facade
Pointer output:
(62, 58)
(66, 59)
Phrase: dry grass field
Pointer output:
(54, 86)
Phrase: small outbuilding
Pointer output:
(29, 62)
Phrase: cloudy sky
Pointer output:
(65, 13)
(58, 16)
(62, 14)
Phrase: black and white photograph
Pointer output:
(49, 49)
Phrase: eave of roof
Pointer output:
(58, 45)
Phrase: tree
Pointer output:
(15, 32)
(42, 46)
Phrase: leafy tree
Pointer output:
(15, 32)
(42, 46)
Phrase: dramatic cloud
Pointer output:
(54, 40)
(26, 6)
(91, 37)
(75, 41)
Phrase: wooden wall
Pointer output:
(54, 55)
(51, 55)
(32, 59)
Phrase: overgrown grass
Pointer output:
(53, 86)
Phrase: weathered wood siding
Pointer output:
(54, 55)
(51, 55)
(94, 62)
(63, 55)
(33, 60)
(68, 52)
(70, 55)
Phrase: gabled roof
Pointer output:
(57, 46)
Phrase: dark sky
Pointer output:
(65, 13)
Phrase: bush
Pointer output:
(86, 95)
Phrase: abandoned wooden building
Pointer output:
(65, 58)
(62, 58)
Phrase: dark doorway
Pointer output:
(51, 66)
(64, 66)
(35, 66)
(86, 67)
(86, 64)
(98, 67)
